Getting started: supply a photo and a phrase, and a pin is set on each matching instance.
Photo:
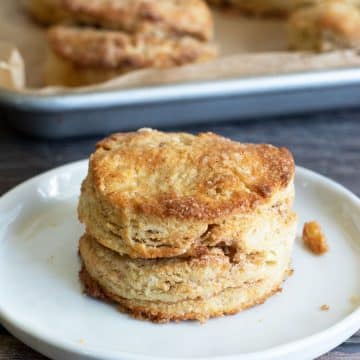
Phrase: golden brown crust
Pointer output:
(85, 47)
(185, 17)
(203, 177)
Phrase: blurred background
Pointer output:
(261, 84)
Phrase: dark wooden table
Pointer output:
(328, 143)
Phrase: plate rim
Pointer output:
(348, 324)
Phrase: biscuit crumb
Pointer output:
(325, 307)
(291, 272)
(82, 341)
(314, 239)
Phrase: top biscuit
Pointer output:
(158, 193)
(185, 17)
(185, 176)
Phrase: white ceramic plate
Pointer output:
(41, 301)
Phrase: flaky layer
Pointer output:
(229, 302)
(183, 278)
(149, 237)
(329, 25)
(83, 56)
(150, 194)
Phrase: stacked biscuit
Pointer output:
(186, 227)
(101, 39)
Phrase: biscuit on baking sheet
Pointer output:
(195, 288)
(85, 56)
(150, 194)
(329, 25)
(184, 17)
(46, 11)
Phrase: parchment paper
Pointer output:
(247, 47)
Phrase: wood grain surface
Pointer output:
(328, 143)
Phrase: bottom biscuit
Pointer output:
(228, 302)
(211, 284)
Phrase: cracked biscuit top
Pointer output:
(185, 176)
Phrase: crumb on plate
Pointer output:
(314, 239)
(325, 307)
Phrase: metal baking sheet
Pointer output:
(80, 114)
